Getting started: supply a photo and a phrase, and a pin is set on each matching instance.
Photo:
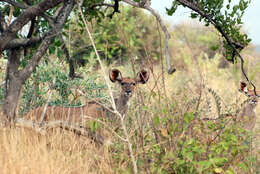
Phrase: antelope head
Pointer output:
(249, 93)
(248, 114)
(128, 84)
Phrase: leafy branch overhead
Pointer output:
(227, 19)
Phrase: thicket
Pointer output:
(165, 121)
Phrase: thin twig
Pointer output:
(161, 59)
(111, 95)
(49, 97)
(107, 108)
(106, 126)
(170, 67)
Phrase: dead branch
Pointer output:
(170, 67)
(78, 129)
(42, 127)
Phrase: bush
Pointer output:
(36, 89)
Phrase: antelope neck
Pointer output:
(122, 103)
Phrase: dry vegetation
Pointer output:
(160, 124)
(62, 152)
(23, 151)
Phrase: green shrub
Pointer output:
(36, 89)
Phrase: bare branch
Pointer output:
(48, 39)
(23, 42)
(23, 19)
(49, 125)
(16, 4)
(49, 96)
(146, 6)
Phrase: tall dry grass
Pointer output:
(26, 152)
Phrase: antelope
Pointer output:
(93, 109)
(246, 117)
(248, 114)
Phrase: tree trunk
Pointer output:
(12, 98)
(15, 76)
(13, 85)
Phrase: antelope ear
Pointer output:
(115, 75)
(142, 76)
(243, 87)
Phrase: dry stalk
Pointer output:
(49, 96)
(111, 95)
(106, 126)
(161, 59)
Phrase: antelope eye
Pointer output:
(123, 83)
(134, 84)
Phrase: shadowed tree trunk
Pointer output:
(15, 75)
(13, 84)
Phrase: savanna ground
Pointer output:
(162, 117)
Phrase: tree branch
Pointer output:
(49, 125)
(69, 59)
(146, 6)
(47, 41)
(23, 42)
(101, 4)
(75, 128)
(64, 48)
(23, 19)
(16, 4)
(235, 46)
(3, 24)
(116, 9)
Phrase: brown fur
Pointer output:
(93, 109)
(247, 118)
(70, 114)
(248, 114)
(76, 115)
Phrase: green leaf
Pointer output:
(203, 165)
(193, 15)
(52, 49)
(156, 120)
(189, 156)
(243, 166)
(188, 117)
(230, 171)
